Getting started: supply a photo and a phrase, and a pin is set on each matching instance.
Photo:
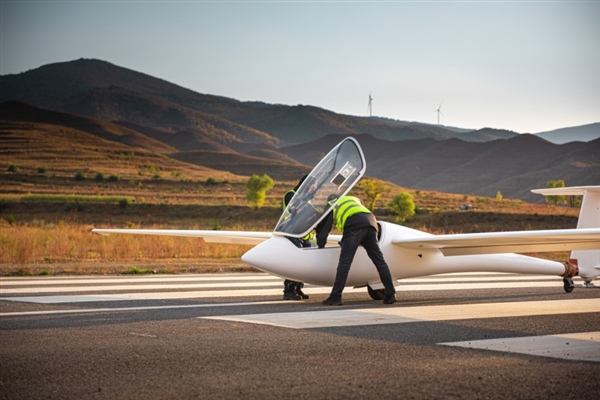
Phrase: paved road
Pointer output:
(230, 336)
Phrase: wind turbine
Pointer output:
(439, 111)
(370, 108)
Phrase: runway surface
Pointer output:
(232, 336)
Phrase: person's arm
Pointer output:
(323, 229)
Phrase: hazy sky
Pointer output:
(526, 66)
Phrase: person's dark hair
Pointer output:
(301, 181)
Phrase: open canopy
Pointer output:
(332, 178)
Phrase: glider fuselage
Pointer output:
(279, 256)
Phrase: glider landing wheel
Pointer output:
(568, 284)
(376, 294)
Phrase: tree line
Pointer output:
(401, 205)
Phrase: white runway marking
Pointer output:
(163, 295)
(468, 281)
(102, 310)
(398, 315)
(19, 281)
(464, 277)
(107, 288)
(573, 346)
(255, 292)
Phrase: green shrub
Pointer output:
(99, 177)
(256, 189)
(402, 205)
(12, 168)
(113, 178)
(137, 270)
(79, 176)
(41, 170)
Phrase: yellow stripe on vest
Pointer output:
(345, 208)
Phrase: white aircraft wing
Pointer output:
(506, 242)
(566, 191)
(232, 237)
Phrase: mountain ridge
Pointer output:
(63, 86)
(254, 137)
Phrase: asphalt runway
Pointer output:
(230, 336)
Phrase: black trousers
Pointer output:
(367, 238)
(291, 286)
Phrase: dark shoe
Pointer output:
(333, 301)
(291, 296)
(299, 291)
(389, 300)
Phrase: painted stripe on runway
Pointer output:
(266, 292)
(108, 288)
(462, 277)
(52, 285)
(103, 310)
(583, 346)
(398, 315)
(163, 295)
(11, 281)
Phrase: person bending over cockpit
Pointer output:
(359, 227)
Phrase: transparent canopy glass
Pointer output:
(332, 178)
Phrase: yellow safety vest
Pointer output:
(346, 207)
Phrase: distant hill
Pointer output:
(18, 111)
(182, 140)
(102, 90)
(61, 151)
(62, 136)
(241, 164)
(512, 166)
(91, 100)
(583, 133)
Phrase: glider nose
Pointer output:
(260, 256)
(274, 256)
(252, 256)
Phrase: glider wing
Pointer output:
(233, 237)
(507, 242)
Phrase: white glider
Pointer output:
(408, 252)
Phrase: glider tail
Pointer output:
(587, 261)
